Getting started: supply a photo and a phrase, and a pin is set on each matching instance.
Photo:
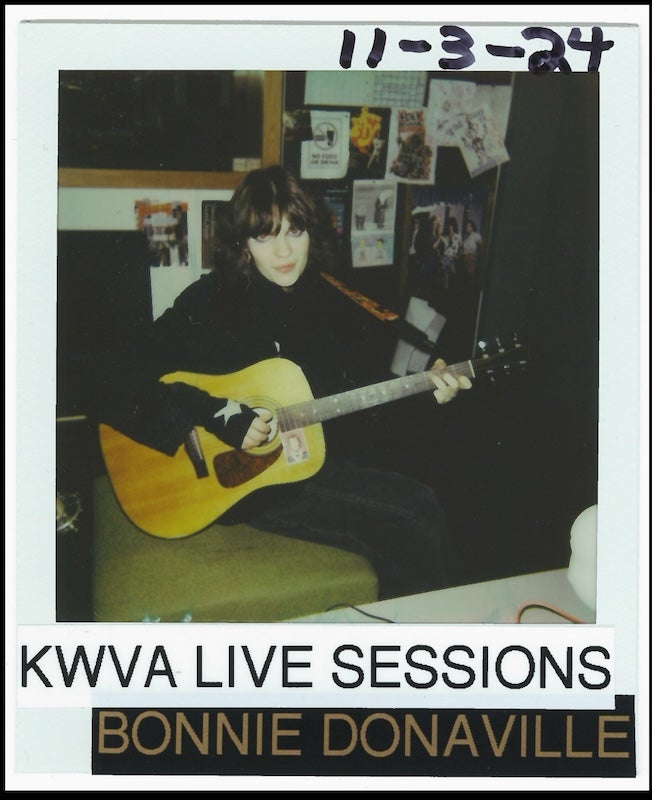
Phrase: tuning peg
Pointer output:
(499, 345)
(483, 348)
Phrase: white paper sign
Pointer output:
(326, 155)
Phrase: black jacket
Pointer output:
(218, 329)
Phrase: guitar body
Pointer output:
(169, 497)
(176, 496)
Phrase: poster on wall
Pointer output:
(267, 652)
(446, 99)
(449, 101)
(166, 227)
(373, 223)
(478, 138)
(335, 200)
(369, 137)
(447, 242)
(412, 155)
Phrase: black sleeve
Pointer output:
(128, 393)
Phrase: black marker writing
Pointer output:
(414, 45)
(377, 49)
(596, 47)
(505, 52)
(458, 42)
(346, 53)
(461, 46)
(546, 60)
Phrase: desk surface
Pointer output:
(490, 602)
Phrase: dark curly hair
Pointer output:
(257, 207)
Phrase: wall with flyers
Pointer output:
(407, 164)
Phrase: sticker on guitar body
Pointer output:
(295, 446)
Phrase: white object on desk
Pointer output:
(582, 568)
(492, 602)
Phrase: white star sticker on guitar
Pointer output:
(228, 411)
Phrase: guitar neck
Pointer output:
(309, 412)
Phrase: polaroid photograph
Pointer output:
(328, 344)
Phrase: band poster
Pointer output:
(521, 142)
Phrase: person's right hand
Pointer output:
(237, 424)
(258, 432)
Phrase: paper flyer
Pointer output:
(369, 136)
(144, 655)
(372, 228)
(477, 136)
(412, 153)
(326, 155)
(446, 99)
(498, 98)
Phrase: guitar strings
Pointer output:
(309, 412)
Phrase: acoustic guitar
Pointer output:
(176, 496)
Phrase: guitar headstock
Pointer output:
(501, 359)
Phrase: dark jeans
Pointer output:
(392, 520)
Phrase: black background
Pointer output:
(460, 762)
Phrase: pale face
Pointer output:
(281, 257)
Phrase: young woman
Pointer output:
(267, 299)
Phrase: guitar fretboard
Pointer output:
(338, 405)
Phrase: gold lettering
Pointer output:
(570, 753)
(103, 732)
(395, 740)
(259, 734)
(523, 735)
(498, 749)
(242, 744)
(461, 722)
(181, 723)
(167, 733)
(538, 751)
(278, 732)
(604, 734)
(328, 750)
(411, 725)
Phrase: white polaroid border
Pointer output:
(49, 43)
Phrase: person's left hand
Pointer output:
(447, 385)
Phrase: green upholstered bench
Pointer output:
(222, 574)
